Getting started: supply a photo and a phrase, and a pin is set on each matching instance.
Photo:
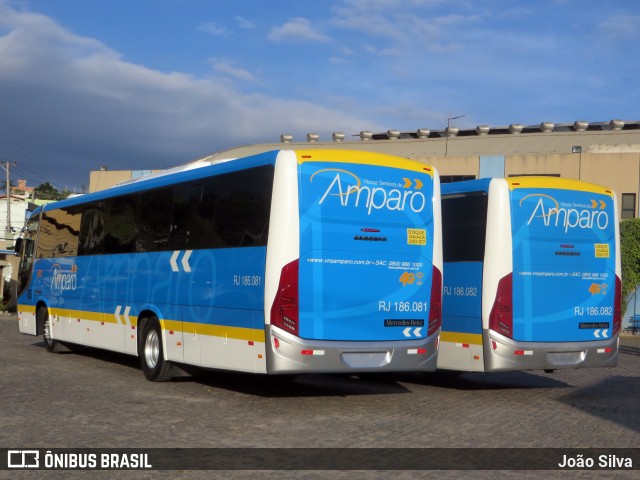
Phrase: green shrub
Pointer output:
(629, 256)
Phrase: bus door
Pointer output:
(564, 263)
(464, 228)
(366, 250)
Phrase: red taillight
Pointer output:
(284, 312)
(617, 307)
(435, 309)
(501, 317)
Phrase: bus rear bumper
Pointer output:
(287, 353)
(506, 354)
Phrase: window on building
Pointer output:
(628, 205)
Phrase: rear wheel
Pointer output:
(43, 322)
(151, 353)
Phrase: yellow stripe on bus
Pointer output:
(557, 183)
(363, 158)
(456, 337)
(236, 333)
(82, 315)
(26, 309)
(225, 331)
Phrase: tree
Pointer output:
(46, 191)
(3, 186)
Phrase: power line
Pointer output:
(17, 149)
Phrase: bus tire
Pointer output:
(43, 321)
(151, 353)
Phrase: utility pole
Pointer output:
(6, 165)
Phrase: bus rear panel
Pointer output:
(368, 269)
(549, 280)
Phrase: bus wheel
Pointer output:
(154, 366)
(43, 321)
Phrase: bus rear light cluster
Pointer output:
(312, 352)
(417, 351)
(435, 309)
(523, 352)
(501, 316)
(284, 312)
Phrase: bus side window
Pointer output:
(27, 253)
(59, 233)
(92, 229)
(192, 219)
(154, 220)
(120, 236)
(243, 207)
(203, 232)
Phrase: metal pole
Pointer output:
(5, 165)
(8, 199)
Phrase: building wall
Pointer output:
(103, 179)
(454, 165)
(608, 154)
(619, 171)
(18, 217)
(567, 165)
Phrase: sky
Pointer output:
(150, 84)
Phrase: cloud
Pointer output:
(298, 29)
(339, 61)
(72, 104)
(224, 67)
(213, 29)
(244, 23)
(624, 28)
(411, 25)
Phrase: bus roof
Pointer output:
(528, 181)
(206, 167)
(175, 176)
(556, 183)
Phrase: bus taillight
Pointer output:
(501, 316)
(617, 307)
(284, 312)
(435, 310)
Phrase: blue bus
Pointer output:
(289, 261)
(531, 275)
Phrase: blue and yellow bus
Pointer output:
(282, 262)
(531, 275)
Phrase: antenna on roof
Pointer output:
(450, 131)
(449, 118)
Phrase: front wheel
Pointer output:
(43, 321)
(151, 353)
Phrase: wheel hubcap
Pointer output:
(152, 349)
(46, 334)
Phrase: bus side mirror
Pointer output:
(18, 246)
